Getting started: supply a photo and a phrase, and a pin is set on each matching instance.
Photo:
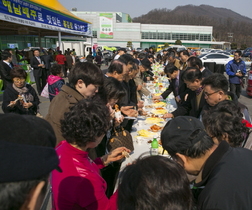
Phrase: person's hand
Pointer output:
(156, 97)
(12, 104)
(117, 154)
(27, 105)
(178, 99)
(133, 113)
(126, 109)
(40, 65)
(140, 104)
(139, 87)
(142, 112)
(239, 74)
(168, 115)
(111, 111)
(117, 121)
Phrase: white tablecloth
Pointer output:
(141, 144)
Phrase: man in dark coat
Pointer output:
(223, 173)
(69, 61)
(39, 72)
(177, 85)
(195, 100)
(5, 68)
(196, 62)
(48, 58)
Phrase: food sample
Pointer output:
(159, 112)
(154, 120)
(152, 115)
(125, 154)
(145, 133)
(157, 94)
(159, 104)
(159, 108)
(155, 128)
(156, 101)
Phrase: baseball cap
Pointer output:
(26, 148)
(176, 135)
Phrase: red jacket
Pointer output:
(80, 185)
(60, 59)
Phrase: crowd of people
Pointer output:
(65, 156)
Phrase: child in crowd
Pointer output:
(55, 81)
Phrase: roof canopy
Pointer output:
(42, 14)
(55, 5)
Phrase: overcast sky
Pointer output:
(136, 8)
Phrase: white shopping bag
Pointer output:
(45, 92)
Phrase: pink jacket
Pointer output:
(55, 84)
(80, 185)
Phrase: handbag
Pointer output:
(120, 138)
(45, 92)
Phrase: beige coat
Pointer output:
(139, 81)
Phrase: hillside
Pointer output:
(223, 21)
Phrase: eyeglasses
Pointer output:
(18, 80)
(209, 94)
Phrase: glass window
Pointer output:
(95, 34)
(216, 56)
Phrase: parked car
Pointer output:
(107, 54)
(224, 52)
(139, 49)
(178, 48)
(214, 51)
(205, 50)
(218, 58)
(247, 52)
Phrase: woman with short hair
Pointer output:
(224, 122)
(80, 185)
(19, 97)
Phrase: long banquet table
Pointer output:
(141, 144)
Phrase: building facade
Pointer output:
(117, 29)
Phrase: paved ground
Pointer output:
(45, 103)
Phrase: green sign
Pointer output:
(106, 26)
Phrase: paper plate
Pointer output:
(159, 112)
(145, 133)
(154, 120)
(159, 104)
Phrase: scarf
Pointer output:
(24, 91)
(199, 90)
